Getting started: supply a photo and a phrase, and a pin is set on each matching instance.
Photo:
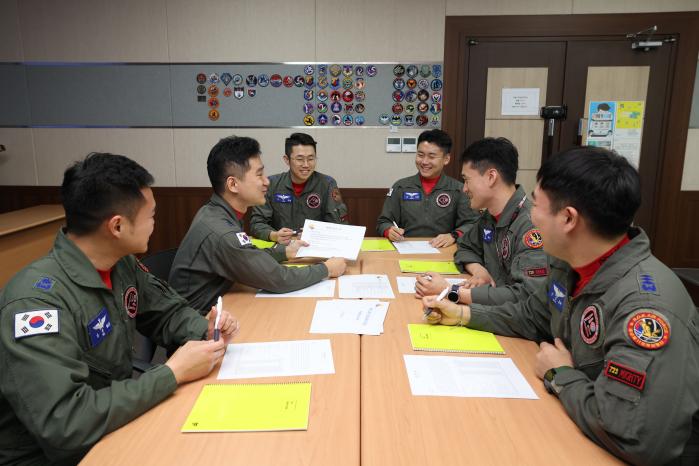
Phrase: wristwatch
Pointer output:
(549, 379)
(453, 294)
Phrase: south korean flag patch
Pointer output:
(32, 323)
(243, 238)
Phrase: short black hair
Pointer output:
(437, 137)
(100, 186)
(298, 139)
(230, 155)
(602, 185)
(498, 153)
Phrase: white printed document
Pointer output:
(407, 284)
(358, 316)
(331, 240)
(365, 286)
(277, 359)
(466, 377)
(415, 247)
(322, 289)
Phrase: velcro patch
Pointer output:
(412, 196)
(533, 239)
(648, 329)
(44, 283)
(99, 327)
(646, 284)
(283, 198)
(243, 238)
(536, 272)
(32, 323)
(142, 266)
(625, 375)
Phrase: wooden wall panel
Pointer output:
(176, 208)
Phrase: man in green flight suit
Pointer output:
(504, 252)
(619, 333)
(299, 194)
(68, 320)
(429, 203)
(216, 252)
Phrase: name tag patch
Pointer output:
(536, 272)
(32, 323)
(409, 196)
(99, 327)
(283, 198)
(625, 375)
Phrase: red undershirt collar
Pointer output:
(428, 184)
(588, 271)
(298, 188)
(106, 276)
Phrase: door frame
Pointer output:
(666, 205)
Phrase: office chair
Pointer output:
(159, 265)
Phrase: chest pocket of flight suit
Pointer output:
(619, 404)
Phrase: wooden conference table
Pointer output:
(365, 412)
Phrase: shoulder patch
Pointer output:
(44, 283)
(335, 193)
(142, 266)
(389, 193)
(243, 238)
(625, 375)
(648, 329)
(646, 284)
(41, 322)
(532, 239)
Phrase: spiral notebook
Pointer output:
(450, 339)
(414, 266)
(256, 407)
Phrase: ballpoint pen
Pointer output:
(217, 331)
(428, 310)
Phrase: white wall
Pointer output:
(238, 30)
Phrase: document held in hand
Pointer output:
(331, 240)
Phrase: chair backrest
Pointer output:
(160, 263)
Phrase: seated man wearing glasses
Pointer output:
(299, 194)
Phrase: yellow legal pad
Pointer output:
(446, 268)
(377, 245)
(250, 408)
(262, 244)
(451, 339)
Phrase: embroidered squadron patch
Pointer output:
(590, 325)
(243, 238)
(142, 266)
(533, 239)
(443, 200)
(44, 283)
(337, 197)
(32, 323)
(625, 375)
(313, 201)
(536, 272)
(131, 301)
(505, 254)
(648, 330)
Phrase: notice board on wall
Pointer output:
(254, 95)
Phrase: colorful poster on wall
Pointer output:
(617, 125)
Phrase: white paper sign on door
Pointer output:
(520, 101)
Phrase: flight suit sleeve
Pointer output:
(528, 271)
(45, 380)
(390, 212)
(469, 249)
(335, 208)
(261, 220)
(466, 217)
(640, 407)
(164, 315)
(257, 268)
(526, 318)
